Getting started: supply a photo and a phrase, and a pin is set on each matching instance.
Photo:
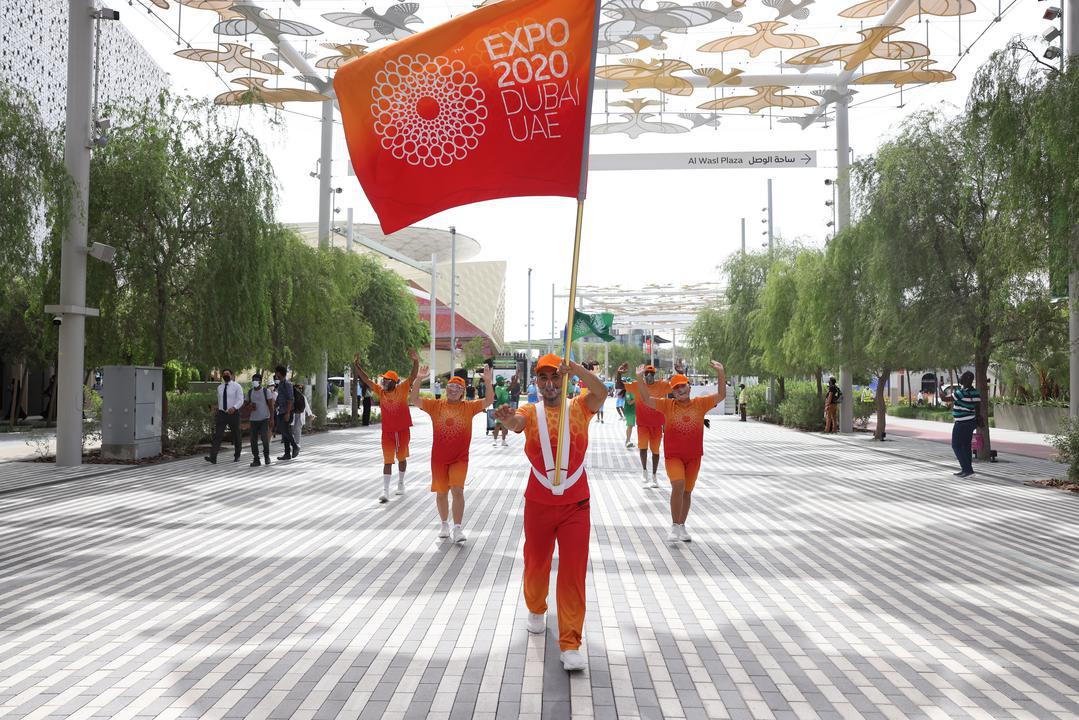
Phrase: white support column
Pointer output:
(434, 319)
(743, 236)
(1071, 50)
(550, 344)
(528, 361)
(842, 151)
(80, 64)
(674, 347)
(348, 233)
(453, 298)
(652, 349)
(325, 175)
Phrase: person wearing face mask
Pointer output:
(230, 398)
(261, 401)
(451, 424)
(683, 444)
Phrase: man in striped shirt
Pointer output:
(966, 403)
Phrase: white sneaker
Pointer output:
(383, 499)
(674, 535)
(400, 487)
(655, 483)
(504, 442)
(537, 624)
(644, 474)
(458, 534)
(444, 531)
(683, 534)
(573, 660)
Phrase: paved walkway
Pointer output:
(827, 578)
(1008, 442)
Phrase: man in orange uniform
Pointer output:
(557, 513)
(396, 420)
(649, 421)
(684, 444)
(451, 422)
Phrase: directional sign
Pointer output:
(705, 160)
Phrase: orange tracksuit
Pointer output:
(396, 421)
(562, 518)
(452, 427)
(649, 421)
(684, 443)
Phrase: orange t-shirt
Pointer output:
(394, 407)
(579, 417)
(646, 416)
(452, 423)
(683, 438)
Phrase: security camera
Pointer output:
(1051, 33)
(101, 251)
(107, 14)
(57, 320)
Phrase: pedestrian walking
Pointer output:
(501, 397)
(515, 392)
(629, 414)
(437, 389)
(230, 398)
(683, 443)
(557, 514)
(283, 413)
(832, 399)
(966, 404)
(396, 420)
(260, 402)
(301, 410)
(451, 424)
(533, 391)
(743, 399)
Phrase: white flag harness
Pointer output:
(547, 478)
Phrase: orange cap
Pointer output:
(391, 375)
(456, 381)
(677, 380)
(548, 361)
(649, 368)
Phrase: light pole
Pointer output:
(453, 297)
(1071, 49)
(528, 361)
(549, 343)
(842, 150)
(434, 331)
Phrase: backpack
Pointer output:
(300, 402)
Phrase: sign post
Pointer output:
(741, 160)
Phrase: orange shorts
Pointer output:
(679, 470)
(444, 477)
(394, 444)
(649, 437)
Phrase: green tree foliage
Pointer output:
(34, 196)
(473, 353)
(723, 332)
(187, 200)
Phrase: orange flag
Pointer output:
(491, 104)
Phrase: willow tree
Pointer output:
(34, 194)
(723, 331)
(187, 200)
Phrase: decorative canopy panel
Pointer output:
(664, 67)
(660, 306)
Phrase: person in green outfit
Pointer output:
(629, 412)
(743, 398)
(502, 397)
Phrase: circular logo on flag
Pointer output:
(428, 110)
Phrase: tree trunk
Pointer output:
(981, 381)
(159, 359)
(355, 402)
(910, 390)
(782, 389)
(882, 413)
(820, 384)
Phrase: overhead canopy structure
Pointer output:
(664, 67)
(652, 306)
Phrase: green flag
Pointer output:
(598, 325)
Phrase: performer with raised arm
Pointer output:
(649, 421)
(451, 424)
(684, 444)
(396, 420)
(557, 513)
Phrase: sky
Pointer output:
(640, 227)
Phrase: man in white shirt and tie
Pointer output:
(230, 398)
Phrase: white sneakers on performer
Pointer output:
(573, 660)
(444, 531)
(504, 442)
(644, 474)
(400, 486)
(683, 534)
(537, 624)
(655, 483)
(674, 535)
(382, 498)
(458, 534)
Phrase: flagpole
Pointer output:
(576, 246)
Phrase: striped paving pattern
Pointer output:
(827, 578)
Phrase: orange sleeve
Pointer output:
(664, 405)
(429, 406)
(707, 402)
(528, 412)
(377, 391)
(475, 407)
(579, 402)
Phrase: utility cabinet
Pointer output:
(131, 412)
